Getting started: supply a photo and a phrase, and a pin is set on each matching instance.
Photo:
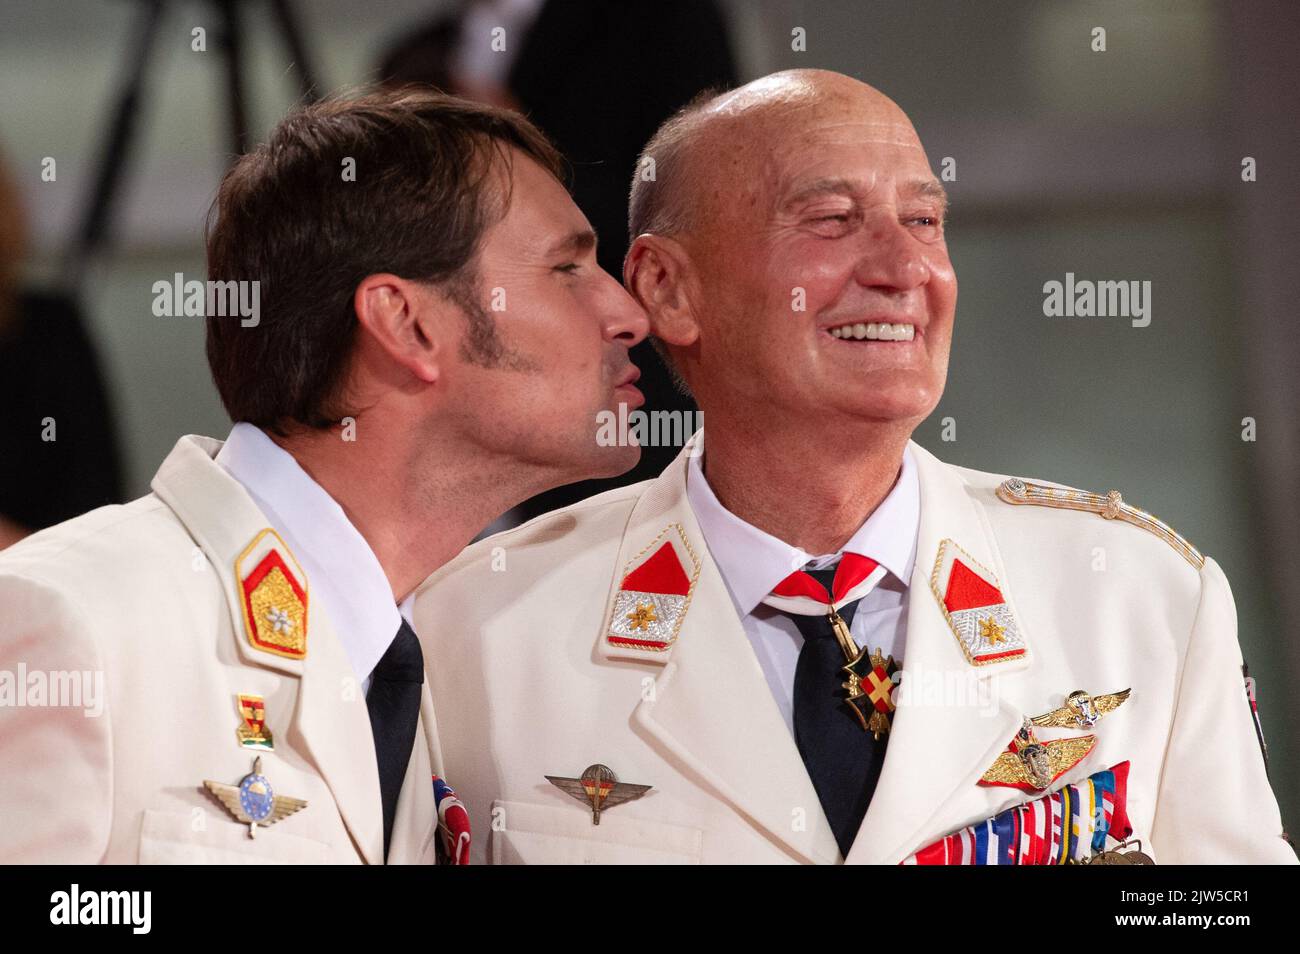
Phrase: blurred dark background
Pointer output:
(1120, 165)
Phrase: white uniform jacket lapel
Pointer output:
(710, 711)
(331, 722)
(416, 819)
(951, 721)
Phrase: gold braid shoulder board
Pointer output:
(1111, 506)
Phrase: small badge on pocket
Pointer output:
(253, 801)
(600, 788)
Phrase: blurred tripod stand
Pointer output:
(114, 155)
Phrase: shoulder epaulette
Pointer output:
(1111, 506)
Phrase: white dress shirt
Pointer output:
(753, 562)
(343, 574)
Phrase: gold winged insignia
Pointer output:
(1031, 764)
(1081, 710)
(253, 801)
(1019, 770)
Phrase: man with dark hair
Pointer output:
(430, 342)
(640, 61)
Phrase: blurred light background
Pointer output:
(1117, 165)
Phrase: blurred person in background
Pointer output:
(58, 452)
(599, 77)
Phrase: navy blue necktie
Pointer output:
(394, 705)
(842, 759)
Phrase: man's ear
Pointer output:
(655, 272)
(400, 318)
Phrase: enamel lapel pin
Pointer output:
(253, 734)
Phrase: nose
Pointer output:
(624, 320)
(892, 258)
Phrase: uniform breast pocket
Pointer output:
(169, 838)
(553, 835)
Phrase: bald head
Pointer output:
(791, 256)
(703, 155)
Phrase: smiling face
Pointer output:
(821, 282)
(549, 333)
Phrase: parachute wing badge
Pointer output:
(1081, 710)
(600, 788)
(253, 801)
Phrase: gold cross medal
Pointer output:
(871, 691)
(253, 801)
(870, 683)
(600, 788)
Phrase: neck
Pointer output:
(417, 500)
(811, 488)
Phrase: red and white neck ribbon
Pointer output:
(800, 593)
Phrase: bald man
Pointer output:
(809, 640)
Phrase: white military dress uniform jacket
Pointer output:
(544, 659)
(150, 594)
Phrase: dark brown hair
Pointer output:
(423, 195)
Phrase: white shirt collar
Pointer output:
(753, 562)
(343, 575)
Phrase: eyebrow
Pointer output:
(576, 242)
(929, 187)
(838, 186)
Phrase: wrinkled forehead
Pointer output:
(767, 155)
(819, 129)
(878, 144)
